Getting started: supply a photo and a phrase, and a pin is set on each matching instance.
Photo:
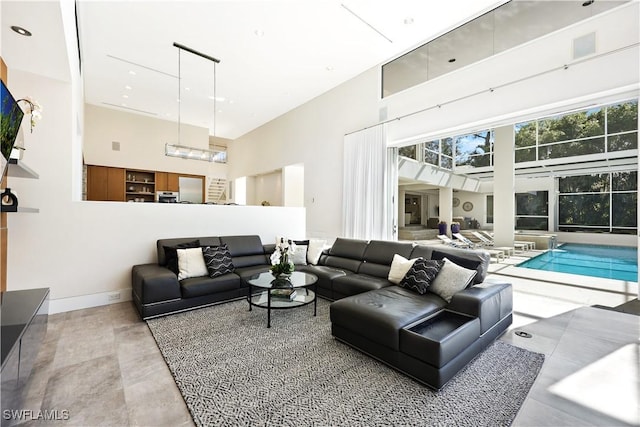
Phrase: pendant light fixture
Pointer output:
(194, 153)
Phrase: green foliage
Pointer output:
(584, 133)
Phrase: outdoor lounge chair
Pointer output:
(457, 244)
(519, 245)
(508, 250)
(497, 253)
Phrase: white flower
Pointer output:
(275, 257)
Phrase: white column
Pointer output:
(503, 186)
(446, 209)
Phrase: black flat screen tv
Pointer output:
(11, 117)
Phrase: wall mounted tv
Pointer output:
(10, 117)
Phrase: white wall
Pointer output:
(312, 134)
(293, 185)
(268, 187)
(142, 142)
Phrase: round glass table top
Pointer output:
(297, 279)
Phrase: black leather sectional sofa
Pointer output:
(423, 336)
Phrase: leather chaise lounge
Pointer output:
(423, 336)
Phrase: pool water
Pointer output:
(611, 262)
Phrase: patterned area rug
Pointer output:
(232, 370)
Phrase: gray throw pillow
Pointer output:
(218, 260)
(421, 274)
(451, 280)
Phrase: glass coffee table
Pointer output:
(282, 293)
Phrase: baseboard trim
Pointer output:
(62, 305)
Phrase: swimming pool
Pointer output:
(611, 262)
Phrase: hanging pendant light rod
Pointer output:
(195, 52)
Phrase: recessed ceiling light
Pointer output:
(217, 98)
(188, 89)
(408, 20)
(125, 96)
(127, 87)
(259, 33)
(21, 31)
(178, 100)
(133, 73)
(452, 60)
(588, 3)
(123, 104)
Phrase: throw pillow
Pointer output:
(191, 263)
(471, 264)
(421, 274)
(299, 257)
(316, 246)
(171, 256)
(451, 280)
(399, 267)
(217, 260)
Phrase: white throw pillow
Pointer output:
(299, 257)
(399, 267)
(191, 263)
(451, 279)
(316, 246)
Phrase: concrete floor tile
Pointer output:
(91, 391)
(157, 403)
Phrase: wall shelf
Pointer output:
(21, 210)
(18, 169)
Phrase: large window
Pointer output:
(532, 210)
(595, 131)
(474, 149)
(605, 202)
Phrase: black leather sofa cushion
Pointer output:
(439, 339)
(199, 286)
(341, 263)
(348, 248)
(245, 250)
(161, 243)
(325, 274)
(379, 255)
(379, 315)
(382, 252)
(357, 283)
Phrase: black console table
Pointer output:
(24, 325)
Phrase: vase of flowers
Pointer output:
(281, 266)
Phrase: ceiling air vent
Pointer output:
(584, 46)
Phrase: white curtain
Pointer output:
(366, 190)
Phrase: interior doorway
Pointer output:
(412, 209)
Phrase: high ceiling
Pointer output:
(275, 55)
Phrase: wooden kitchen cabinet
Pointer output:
(161, 181)
(105, 183)
(173, 182)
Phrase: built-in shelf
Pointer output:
(22, 210)
(18, 169)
